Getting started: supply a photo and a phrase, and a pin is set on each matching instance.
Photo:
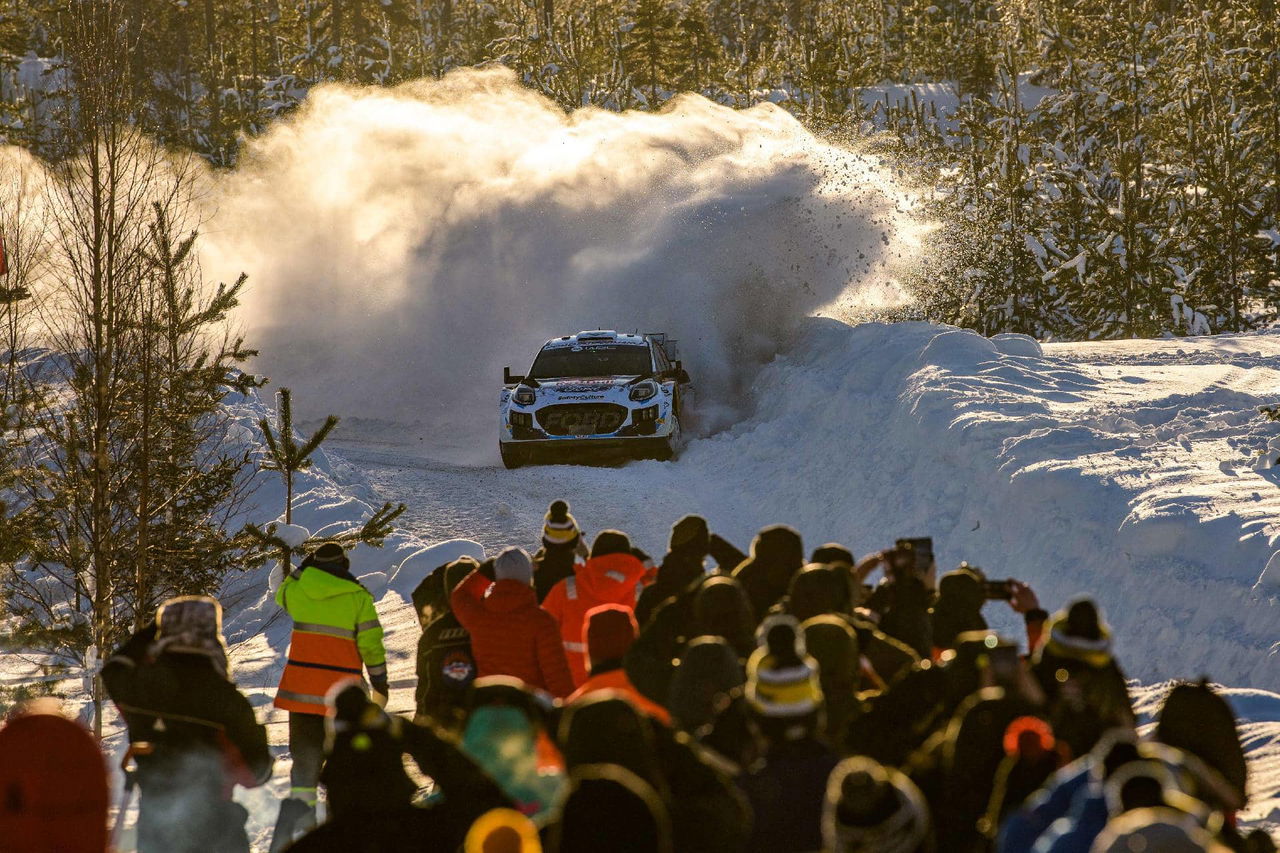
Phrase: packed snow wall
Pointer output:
(405, 244)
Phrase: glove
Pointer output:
(378, 697)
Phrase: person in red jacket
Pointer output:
(613, 575)
(510, 634)
(611, 629)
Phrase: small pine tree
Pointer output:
(285, 454)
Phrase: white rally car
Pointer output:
(595, 391)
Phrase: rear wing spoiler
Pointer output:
(669, 345)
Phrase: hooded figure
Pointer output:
(193, 734)
(721, 609)
(835, 647)
(446, 667)
(612, 575)
(958, 607)
(504, 734)
(1157, 830)
(370, 796)
(1197, 720)
(707, 701)
(819, 588)
(336, 635)
(786, 788)
(606, 729)
(510, 634)
(610, 808)
(1031, 756)
(707, 673)
(561, 549)
(706, 814)
(1084, 687)
(777, 553)
(53, 783)
(683, 564)
(611, 629)
(870, 808)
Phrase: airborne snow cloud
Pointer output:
(404, 244)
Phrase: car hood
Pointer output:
(604, 388)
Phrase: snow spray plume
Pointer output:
(407, 243)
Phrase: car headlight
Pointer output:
(645, 390)
(524, 396)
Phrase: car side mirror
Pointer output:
(508, 379)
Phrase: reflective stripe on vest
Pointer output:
(575, 647)
(571, 589)
(327, 630)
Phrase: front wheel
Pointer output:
(512, 457)
(671, 445)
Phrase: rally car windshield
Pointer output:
(628, 360)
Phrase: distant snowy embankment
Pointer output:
(1127, 470)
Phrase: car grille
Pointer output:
(582, 418)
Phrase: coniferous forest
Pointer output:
(1105, 168)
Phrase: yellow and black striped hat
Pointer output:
(560, 527)
(782, 680)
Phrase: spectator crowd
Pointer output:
(590, 698)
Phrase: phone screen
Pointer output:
(922, 548)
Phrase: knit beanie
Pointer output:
(833, 553)
(782, 680)
(1078, 633)
(559, 527)
(502, 831)
(610, 542)
(513, 564)
(331, 555)
(871, 808)
(191, 624)
(691, 530)
(610, 631)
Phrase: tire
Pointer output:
(670, 447)
(512, 457)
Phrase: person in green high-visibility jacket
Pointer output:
(336, 634)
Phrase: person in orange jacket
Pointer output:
(611, 629)
(510, 634)
(612, 575)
